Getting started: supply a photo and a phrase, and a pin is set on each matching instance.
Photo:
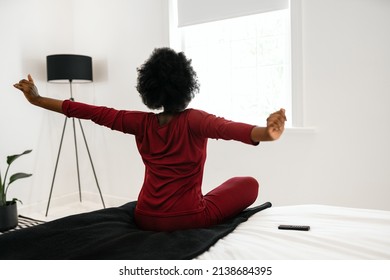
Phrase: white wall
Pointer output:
(346, 65)
(347, 86)
(119, 35)
(28, 33)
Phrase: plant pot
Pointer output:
(8, 216)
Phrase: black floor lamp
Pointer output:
(72, 68)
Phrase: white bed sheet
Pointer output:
(336, 233)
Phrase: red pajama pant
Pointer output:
(222, 203)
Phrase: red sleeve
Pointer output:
(209, 126)
(121, 120)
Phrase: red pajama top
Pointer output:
(174, 154)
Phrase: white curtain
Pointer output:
(200, 11)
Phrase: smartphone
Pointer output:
(294, 227)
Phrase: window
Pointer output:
(243, 65)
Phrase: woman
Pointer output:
(172, 145)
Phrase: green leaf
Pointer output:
(1, 184)
(18, 176)
(11, 159)
(17, 200)
(3, 199)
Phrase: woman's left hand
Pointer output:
(29, 89)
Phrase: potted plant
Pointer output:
(8, 208)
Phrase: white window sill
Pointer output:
(301, 130)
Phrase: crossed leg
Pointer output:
(222, 203)
(230, 198)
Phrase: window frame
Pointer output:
(296, 59)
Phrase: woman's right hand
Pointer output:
(273, 130)
(275, 124)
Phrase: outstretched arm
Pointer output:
(274, 129)
(31, 93)
(125, 121)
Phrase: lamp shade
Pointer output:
(69, 67)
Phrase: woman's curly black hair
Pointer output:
(167, 80)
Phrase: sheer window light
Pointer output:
(243, 65)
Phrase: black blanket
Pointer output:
(111, 234)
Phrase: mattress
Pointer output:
(336, 233)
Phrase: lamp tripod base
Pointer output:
(77, 162)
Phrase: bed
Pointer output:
(335, 233)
